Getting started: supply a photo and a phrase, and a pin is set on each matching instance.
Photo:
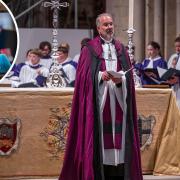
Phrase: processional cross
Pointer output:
(55, 77)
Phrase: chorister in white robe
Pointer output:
(46, 62)
(28, 73)
(68, 70)
(176, 86)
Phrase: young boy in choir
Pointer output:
(30, 73)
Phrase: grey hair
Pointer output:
(100, 15)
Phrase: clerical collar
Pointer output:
(103, 41)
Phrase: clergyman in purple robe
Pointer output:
(103, 142)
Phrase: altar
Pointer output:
(159, 130)
(39, 117)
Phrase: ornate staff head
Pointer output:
(55, 79)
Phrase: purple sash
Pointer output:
(107, 120)
(107, 125)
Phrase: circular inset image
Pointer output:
(9, 40)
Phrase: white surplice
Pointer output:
(69, 70)
(176, 86)
(112, 156)
(28, 74)
(46, 62)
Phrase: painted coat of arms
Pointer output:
(9, 135)
(146, 125)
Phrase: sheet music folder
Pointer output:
(166, 74)
(151, 70)
(120, 73)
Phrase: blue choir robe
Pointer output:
(150, 64)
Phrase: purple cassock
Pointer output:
(83, 157)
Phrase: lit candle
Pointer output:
(131, 13)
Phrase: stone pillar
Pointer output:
(139, 26)
(177, 17)
(149, 24)
(119, 11)
(159, 23)
(169, 27)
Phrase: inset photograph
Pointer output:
(8, 39)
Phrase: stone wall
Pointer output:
(119, 11)
(170, 27)
(145, 23)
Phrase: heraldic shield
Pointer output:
(9, 135)
(145, 125)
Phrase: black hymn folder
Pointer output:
(146, 69)
(166, 74)
(151, 70)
